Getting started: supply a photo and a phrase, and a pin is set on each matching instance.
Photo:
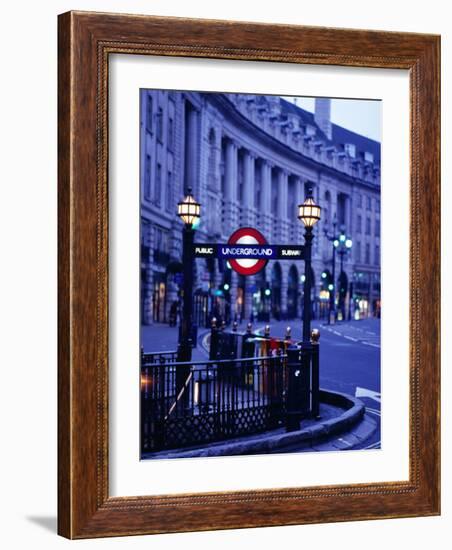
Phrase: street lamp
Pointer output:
(189, 211)
(341, 244)
(309, 214)
(332, 286)
(345, 244)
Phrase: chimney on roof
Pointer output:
(322, 115)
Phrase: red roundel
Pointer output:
(247, 235)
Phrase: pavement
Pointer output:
(342, 425)
(349, 360)
(162, 337)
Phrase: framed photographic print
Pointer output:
(248, 275)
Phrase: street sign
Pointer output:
(246, 259)
(247, 251)
(251, 252)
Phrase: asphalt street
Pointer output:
(349, 361)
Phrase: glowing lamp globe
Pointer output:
(188, 210)
(309, 211)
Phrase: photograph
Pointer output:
(260, 274)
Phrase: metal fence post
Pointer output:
(306, 355)
(213, 339)
(248, 344)
(294, 386)
(315, 384)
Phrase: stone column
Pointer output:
(299, 198)
(248, 190)
(191, 178)
(230, 191)
(265, 206)
(282, 205)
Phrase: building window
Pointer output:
(161, 246)
(149, 113)
(377, 227)
(369, 203)
(212, 162)
(358, 252)
(377, 255)
(161, 241)
(367, 259)
(171, 133)
(160, 124)
(359, 200)
(212, 222)
(158, 185)
(327, 212)
(368, 157)
(367, 226)
(350, 149)
(169, 191)
(378, 205)
(359, 224)
(145, 241)
(342, 208)
(147, 177)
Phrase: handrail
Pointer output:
(219, 361)
(171, 352)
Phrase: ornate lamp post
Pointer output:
(343, 246)
(332, 286)
(188, 211)
(309, 214)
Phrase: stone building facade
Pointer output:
(249, 160)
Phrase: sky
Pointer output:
(358, 115)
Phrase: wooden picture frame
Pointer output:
(86, 40)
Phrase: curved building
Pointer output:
(250, 160)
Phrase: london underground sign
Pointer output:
(247, 251)
(242, 261)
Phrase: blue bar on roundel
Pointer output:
(247, 251)
(250, 251)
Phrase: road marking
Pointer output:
(370, 344)
(365, 340)
(365, 392)
(344, 441)
(376, 445)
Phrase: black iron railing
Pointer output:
(157, 358)
(216, 401)
(251, 384)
